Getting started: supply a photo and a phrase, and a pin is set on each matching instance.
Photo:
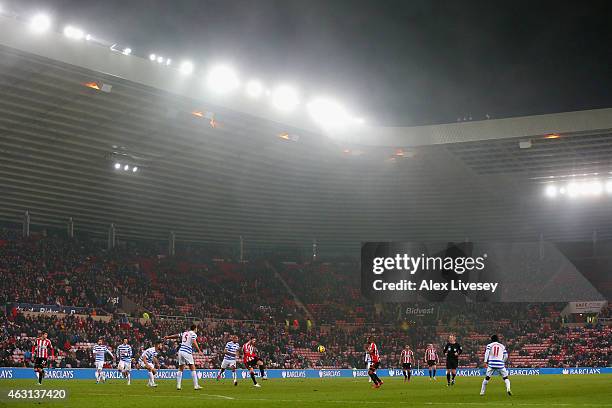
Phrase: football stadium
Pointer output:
(212, 229)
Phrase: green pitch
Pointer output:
(534, 391)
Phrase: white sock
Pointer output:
(484, 386)
(129, 376)
(151, 378)
(179, 379)
(507, 381)
(234, 376)
(195, 378)
(103, 375)
(97, 375)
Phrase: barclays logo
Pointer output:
(60, 374)
(579, 371)
(523, 371)
(360, 373)
(295, 374)
(6, 374)
(330, 373)
(469, 373)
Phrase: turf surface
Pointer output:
(529, 391)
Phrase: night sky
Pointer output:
(397, 62)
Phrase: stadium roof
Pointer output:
(59, 140)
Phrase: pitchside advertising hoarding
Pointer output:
(472, 272)
(89, 373)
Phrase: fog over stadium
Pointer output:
(387, 202)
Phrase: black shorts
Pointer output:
(374, 366)
(431, 362)
(252, 363)
(406, 366)
(40, 362)
(452, 364)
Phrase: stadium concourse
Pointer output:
(291, 307)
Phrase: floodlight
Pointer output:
(186, 67)
(134, 169)
(222, 79)
(254, 88)
(117, 166)
(152, 57)
(328, 113)
(40, 23)
(551, 191)
(126, 51)
(74, 33)
(126, 167)
(285, 98)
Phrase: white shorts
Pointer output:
(185, 358)
(144, 364)
(228, 363)
(501, 371)
(124, 366)
(99, 365)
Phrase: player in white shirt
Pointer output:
(367, 359)
(495, 359)
(230, 355)
(148, 360)
(124, 353)
(185, 355)
(99, 351)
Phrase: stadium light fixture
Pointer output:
(222, 79)
(152, 57)
(126, 51)
(160, 59)
(186, 67)
(329, 113)
(126, 167)
(40, 23)
(74, 33)
(117, 166)
(285, 98)
(168, 62)
(551, 191)
(254, 89)
(134, 169)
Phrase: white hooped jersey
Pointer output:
(187, 339)
(230, 351)
(496, 355)
(125, 353)
(367, 358)
(148, 355)
(99, 352)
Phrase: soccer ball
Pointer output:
(321, 349)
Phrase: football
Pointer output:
(321, 349)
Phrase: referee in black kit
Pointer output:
(452, 350)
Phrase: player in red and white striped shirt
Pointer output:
(40, 349)
(406, 360)
(250, 359)
(431, 358)
(374, 363)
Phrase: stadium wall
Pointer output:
(12, 373)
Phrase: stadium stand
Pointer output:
(246, 298)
